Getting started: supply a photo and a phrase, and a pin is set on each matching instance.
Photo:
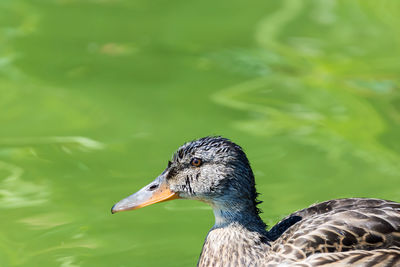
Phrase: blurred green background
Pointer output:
(96, 95)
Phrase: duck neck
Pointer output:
(238, 237)
(239, 213)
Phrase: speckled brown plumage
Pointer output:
(343, 232)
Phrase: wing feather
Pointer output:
(341, 230)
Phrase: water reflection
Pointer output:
(324, 117)
(45, 228)
(80, 142)
(69, 261)
(17, 193)
(46, 220)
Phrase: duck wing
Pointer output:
(362, 258)
(338, 228)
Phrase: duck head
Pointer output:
(211, 169)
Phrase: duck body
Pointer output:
(343, 232)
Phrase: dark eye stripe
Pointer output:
(171, 173)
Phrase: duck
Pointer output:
(340, 232)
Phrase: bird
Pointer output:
(340, 232)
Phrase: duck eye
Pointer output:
(196, 162)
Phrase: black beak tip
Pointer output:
(112, 209)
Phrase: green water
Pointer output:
(95, 96)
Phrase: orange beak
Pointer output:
(156, 191)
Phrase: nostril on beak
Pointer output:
(153, 187)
